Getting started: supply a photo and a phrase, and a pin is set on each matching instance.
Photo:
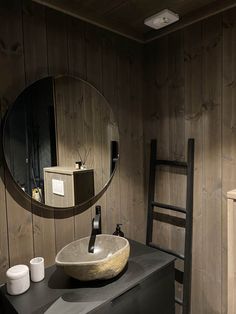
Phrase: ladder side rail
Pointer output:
(151, 191)
(188, 230)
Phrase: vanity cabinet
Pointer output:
(145, 286)
(154, 295)
(67, 187)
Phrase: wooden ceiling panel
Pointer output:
(127, 16)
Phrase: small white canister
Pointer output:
(37, 271)
(18, 280)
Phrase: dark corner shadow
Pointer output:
(59, 280)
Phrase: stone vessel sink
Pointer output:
(110, 256)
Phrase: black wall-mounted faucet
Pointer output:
(96, 228)
(97, 221)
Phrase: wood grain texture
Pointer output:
(159, 127)
(193, 120)
(36, 67)
(4, 253)
(85, 128)
(57, 47)
(211, 89)
(4, 245)
(76, 48)
(228, 126)
(200, 101)
(77, 63)
(127, 17)
(186, 95)
(93, 67)
(124, 125)
(177, 142)
(110, 89)
(34, 26)
(20, 235)
(137, 230)
(56, 44)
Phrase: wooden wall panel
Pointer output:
(34, 26)
(37, 42)
(228, 126)
(110, 89)
(36, 67)
(130, 126)
(93, 46)
(57, 42)
(177, 145)
(193, 118)
(136, 213)
(77, 48)
(57, 39)
(200, 98)
(85, 128)
(212, 184)
(77, 63)
(186, 95)
(94, 55)
(20, 235)
(157, 125)
(4, 253)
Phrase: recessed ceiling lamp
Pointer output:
(161, 19)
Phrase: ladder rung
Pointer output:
(173, 163)
(171, 207)
(169, 219)
(151, 244)
(177, 300)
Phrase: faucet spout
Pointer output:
(96, 229)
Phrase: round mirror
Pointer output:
(60, 142)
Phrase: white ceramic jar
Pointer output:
(37, 271)
(18, 280)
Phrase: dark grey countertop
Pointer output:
(58, 293)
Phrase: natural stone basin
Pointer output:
(110, 256)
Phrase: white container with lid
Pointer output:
(18, 280)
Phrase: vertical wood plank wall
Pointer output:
(230, 252)
(36, 42)
(85, 127)
(190, 92)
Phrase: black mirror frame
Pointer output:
(26, 200)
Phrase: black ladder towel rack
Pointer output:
(185, 276)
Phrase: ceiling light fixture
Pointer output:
(161, 19)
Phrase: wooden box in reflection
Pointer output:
(67, 187)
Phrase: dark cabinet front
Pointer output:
(154, 295)
(145, 286)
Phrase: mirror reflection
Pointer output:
(61, 141)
